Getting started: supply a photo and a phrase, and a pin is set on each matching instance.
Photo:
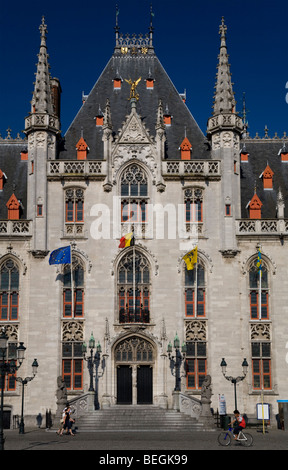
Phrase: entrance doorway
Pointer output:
(144, 385)
(134, 359)
(124, 385)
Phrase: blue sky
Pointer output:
(81, 40)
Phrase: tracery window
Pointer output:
(77, 292)
(134, 288)
(261, 356)
(258, 290)
(9, 290)
(134, 349)
(193, 200)
(134, 195)
(10, 379)
(72, 365)
(74, 211)
(196, 355)
(195, 290)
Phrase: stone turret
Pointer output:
(42, 127)
(224, 131)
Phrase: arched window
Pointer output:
(258, 290)
(134, 349)
(195, 291)
(9, 290)
(134, 195)
(76, 292)
(74, 205)
(134, 288)
(193, 200)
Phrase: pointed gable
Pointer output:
(267, 176)
(13, 206)
(127, 65)
(82, 149)
(186, 149)
(133, 131)
(255, 207)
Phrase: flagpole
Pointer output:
(259, 295)
(134, 279)
(72, 284)
(196, 288)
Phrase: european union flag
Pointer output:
(259, 263)
(61, 256)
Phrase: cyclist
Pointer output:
(238, 423)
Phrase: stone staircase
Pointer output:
(137, 418)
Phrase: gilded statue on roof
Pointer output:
(133, 85)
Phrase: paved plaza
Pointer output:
(147, 443)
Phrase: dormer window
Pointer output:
(24, 155)
(167, 118)
(244, 156)
(13, 206)
(150, 83)
(82, 149)
(267, 176)
(186, 149)
(99, 118)
(255, 207)
(117, 83)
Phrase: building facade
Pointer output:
(135, 161)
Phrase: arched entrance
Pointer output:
(134, 359)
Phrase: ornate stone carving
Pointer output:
(260, 331)
(196, 330)
(73, 330)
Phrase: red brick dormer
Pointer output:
(267, 176)
(149, 83)
(13, 206)
(244, 156)
(186, 149)
(255, 207)
(117, 82)
(82, 149)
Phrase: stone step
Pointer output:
(133, 418)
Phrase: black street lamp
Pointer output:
(7, 368)
(91, 362)
(24, 382)
(234, 380)
(176, 361)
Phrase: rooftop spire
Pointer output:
(42, 99)
(224, 97)
(151, 29)
(117, 26)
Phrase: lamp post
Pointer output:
(234, 380)
(7, 368)
(176, 361)
(91, 362)
(24, 382)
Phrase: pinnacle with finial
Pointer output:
(43, 31)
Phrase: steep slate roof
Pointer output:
(261, 152)
(134, 66)
(15, 170)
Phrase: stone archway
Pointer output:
(134, 360)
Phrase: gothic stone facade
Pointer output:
(135, 159)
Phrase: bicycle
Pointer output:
(226, 437)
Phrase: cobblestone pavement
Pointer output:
(145, 442)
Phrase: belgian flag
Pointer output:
(127, 240)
